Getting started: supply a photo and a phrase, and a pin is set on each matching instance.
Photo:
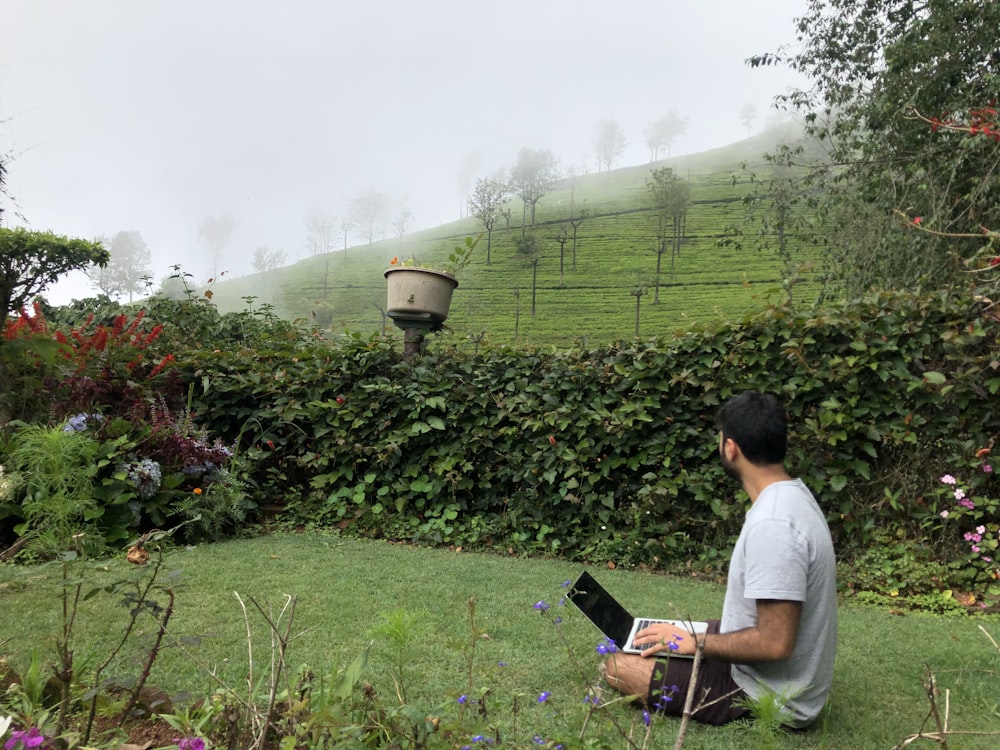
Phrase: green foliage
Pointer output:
(609, 453)
(884, 74)
(31, 261)
(53, 471)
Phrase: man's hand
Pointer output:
(663, 637)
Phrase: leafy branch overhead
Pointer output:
(31, 261)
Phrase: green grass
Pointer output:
(591, 301)
(342, 585)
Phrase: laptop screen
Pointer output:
(610, 617)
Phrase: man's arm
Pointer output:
(773, 638)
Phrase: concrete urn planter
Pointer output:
(418, 294)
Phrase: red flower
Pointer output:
(995, 261)
(917, 220)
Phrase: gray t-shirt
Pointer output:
(785, 552)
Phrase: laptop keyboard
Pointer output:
(641, 625)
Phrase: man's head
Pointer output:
(757, 424)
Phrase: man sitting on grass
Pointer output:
(778, 631)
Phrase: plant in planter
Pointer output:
(420, 297)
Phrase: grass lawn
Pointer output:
(342, 586)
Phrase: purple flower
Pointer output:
(462, 699)
(190, 743)
(607, 646)
(567, 584)
(645, 717)
(32, 737)
(541, 606)
(544, 696)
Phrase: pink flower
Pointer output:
(944, 514)
(987, 469)
(959, 493)
(948, 479)
(980, 529)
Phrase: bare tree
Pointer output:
(320, 232)
(487, 205)
(532, 177)
(661, 133)
(506, 212)
(747, 115)
(215, 233)
(471, 164)
(562, 238)
(609, 143)
(530, 251)
(367, 212)
(401, 220)
(575, 222)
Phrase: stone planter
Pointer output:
(419, 294)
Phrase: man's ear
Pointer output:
(730, 449)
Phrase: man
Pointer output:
(778, 630)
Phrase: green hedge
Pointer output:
(610, 453)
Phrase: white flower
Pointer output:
(5, 721)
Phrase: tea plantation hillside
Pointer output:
(591, 295)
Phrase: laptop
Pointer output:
(612, 619)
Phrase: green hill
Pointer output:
(592, 299)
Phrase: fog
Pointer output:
(136, 114)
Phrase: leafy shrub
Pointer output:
(610, 452)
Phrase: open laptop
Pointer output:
(612, 619)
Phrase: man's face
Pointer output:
(727, 466)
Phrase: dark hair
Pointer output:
(757, 423)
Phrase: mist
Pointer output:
(151, 116)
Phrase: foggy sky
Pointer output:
(151, 115)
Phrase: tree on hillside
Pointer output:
(889, 79)
(321, 229)
(265, 260)
(534, 174)
(562, 238)
(486, 205)
(506, 212)
(129, 268)
(609, 143)
(576, 221)
(529, 250)
(345, 227)
(367, 211)
(471, 163)
(747, 116)
(215, 233)
(662, 133)
(401, 220)
(670, 196)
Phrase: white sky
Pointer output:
(152, 115)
